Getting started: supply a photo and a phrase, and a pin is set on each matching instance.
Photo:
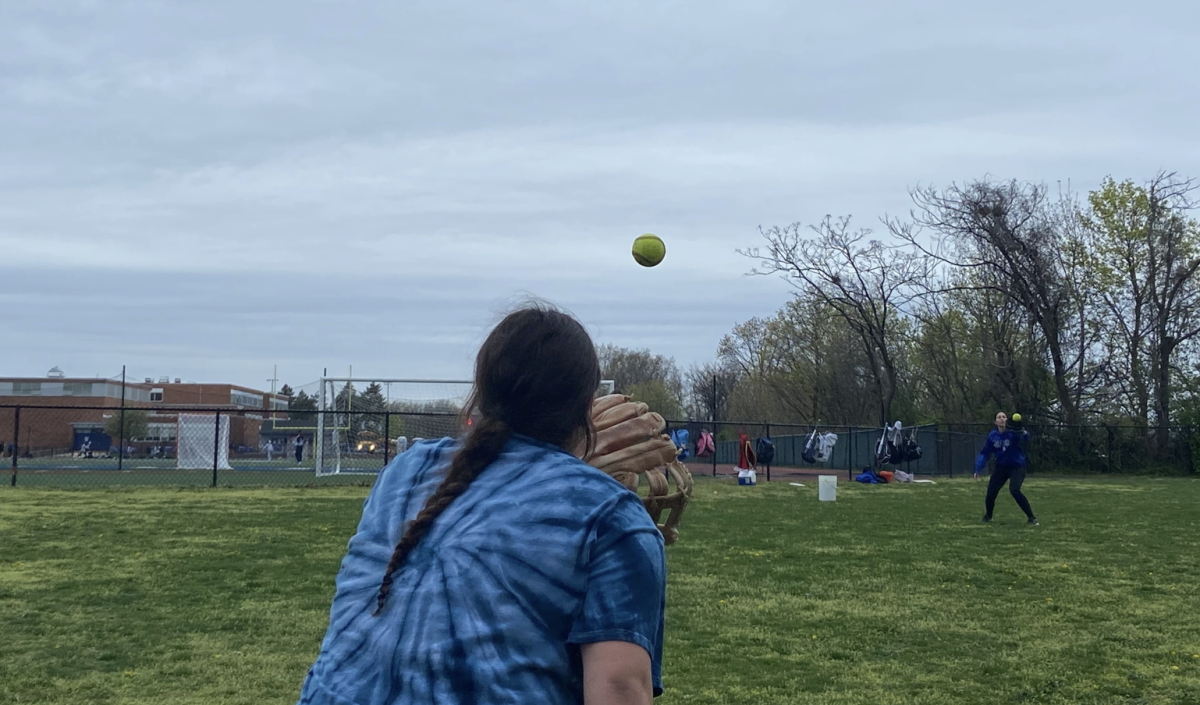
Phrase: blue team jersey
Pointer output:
(1006, 447)
(542, 554)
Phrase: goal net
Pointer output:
(361, 422)
(200, 442)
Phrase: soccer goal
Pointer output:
(360, 422)
(201, 440)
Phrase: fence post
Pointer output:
(16, 443)
(768, 425)
(950, 445)
(853, 445)
(216, 447)
(387, 437)
(714, 424)
(121, 450)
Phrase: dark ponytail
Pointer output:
(536, 375)
(481, 446)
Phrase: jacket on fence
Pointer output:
(825, 444)
(1006, 447)
(746, 458)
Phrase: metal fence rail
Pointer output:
(65, 446)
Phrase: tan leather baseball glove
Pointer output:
(630, 445)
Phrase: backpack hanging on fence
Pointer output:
(765, 450)
(825, 444)
(680, 438)
(705, 446)
(810, 449)
(912, 451)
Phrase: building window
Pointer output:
(77, 389)
(160, 432)
(27, 389)
(244, 399)
(156, 394)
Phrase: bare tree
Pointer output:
(803, 365)
(864, 282)
(709, 388)
(1010, 235)
(1172, 261)
(630, 368)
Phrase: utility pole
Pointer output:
(121, 450)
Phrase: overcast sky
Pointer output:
(207, 189)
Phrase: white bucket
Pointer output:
(827, 488)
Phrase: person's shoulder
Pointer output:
(419, 455)
(572, 481)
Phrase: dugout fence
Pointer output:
(55, 446)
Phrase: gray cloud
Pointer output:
(205, 190)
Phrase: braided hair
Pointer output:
(536, 375)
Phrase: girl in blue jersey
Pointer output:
(502, 568)
(1005, 444)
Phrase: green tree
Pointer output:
(974, 352)
(1149, 255)
(629, 368)
(802, 365)
(302, 406)
(658, 397)
(136, 424)
(861, 280)
(372, 403)
(1009, 238)
(709, 390)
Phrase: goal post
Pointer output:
(359, 421)
(202, 440)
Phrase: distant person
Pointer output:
(270, 448)
(1005, 444)
(298, 444)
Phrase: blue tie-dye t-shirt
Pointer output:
(541, 554)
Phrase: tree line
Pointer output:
(1075, 310)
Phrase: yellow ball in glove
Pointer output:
(649, 250)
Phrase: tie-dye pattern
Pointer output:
(541, 554)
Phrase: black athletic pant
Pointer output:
(300, 454)
(1014, 476)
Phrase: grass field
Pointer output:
(893, 594)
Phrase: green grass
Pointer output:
(254, 472)
(893, 594)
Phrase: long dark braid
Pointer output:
(535, 375)
(481, 446)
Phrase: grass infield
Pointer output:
(893, 594)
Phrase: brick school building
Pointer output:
(60, 415)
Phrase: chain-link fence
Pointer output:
(946, 449)
(99, 446)
(799, 450)
(103, 446)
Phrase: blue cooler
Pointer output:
(747, 477)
